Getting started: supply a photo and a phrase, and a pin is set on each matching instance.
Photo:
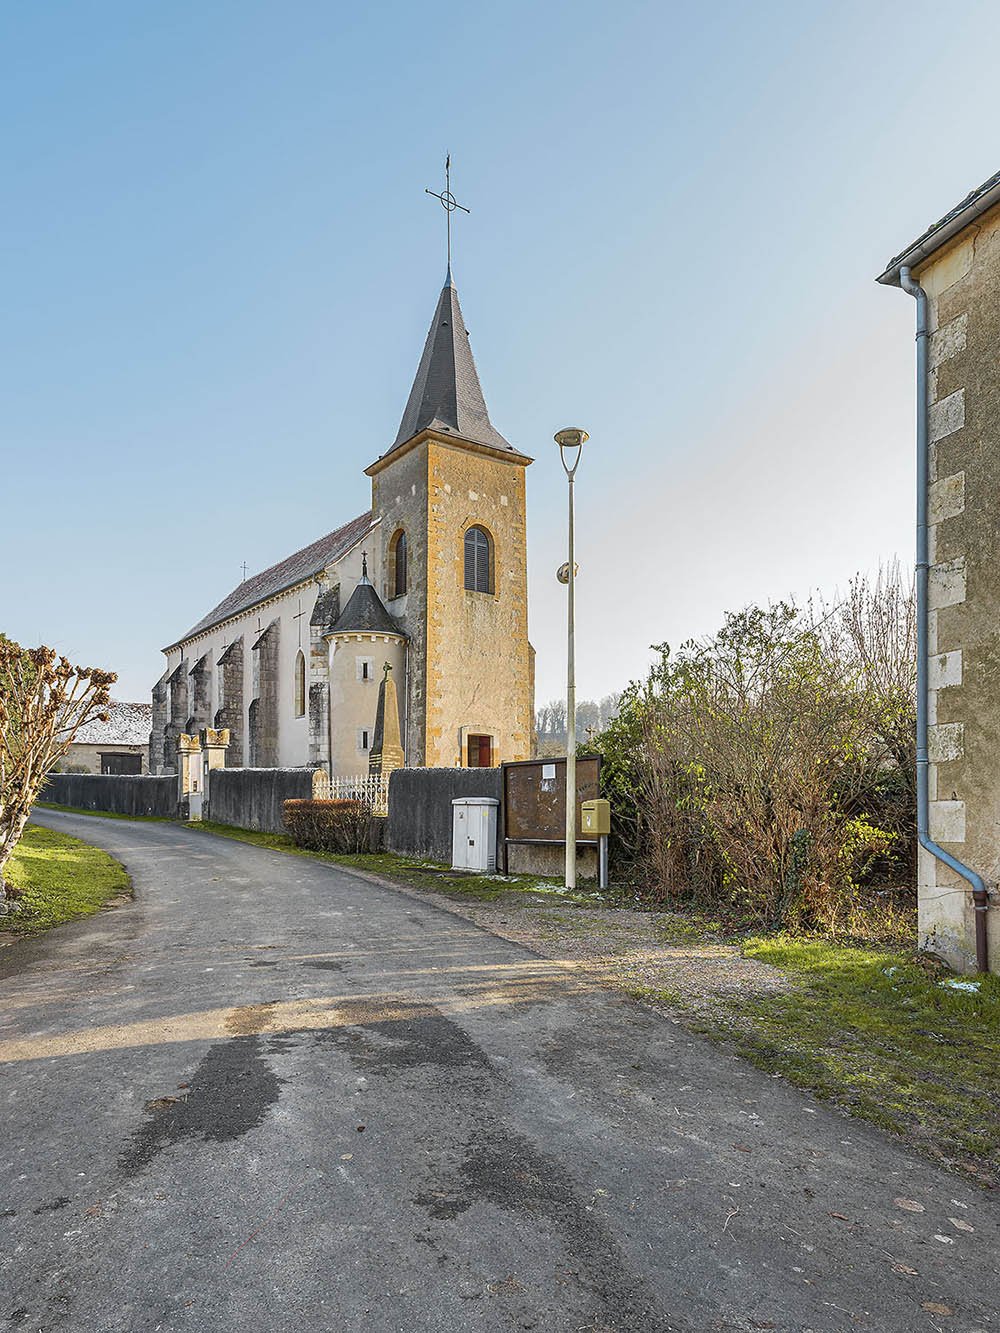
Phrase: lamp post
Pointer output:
(568, 440)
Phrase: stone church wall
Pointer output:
(962, 282)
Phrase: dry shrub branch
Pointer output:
(44, 701)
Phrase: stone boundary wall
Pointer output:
(118, 794)
(420, 819)
(252, 798)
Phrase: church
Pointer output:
(431, 582)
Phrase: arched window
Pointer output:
(397, 564)
(300, 684)
(478, 560)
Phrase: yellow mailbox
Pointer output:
(596, 818)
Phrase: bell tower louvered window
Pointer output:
(478, 561)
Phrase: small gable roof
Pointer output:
(294, 569)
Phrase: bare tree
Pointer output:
(44, 701)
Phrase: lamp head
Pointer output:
(571, 438)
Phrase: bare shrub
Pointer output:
(44, 701)
(766, 770)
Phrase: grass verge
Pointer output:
(881, 1034)
(426, 875)
(61, 879)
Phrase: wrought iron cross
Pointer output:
(448, 201)
(244, 568)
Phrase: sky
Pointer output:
(220, 266)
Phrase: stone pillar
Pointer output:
(321, 785)
(158, 761)
(177, 682)
(230, 714)
(386, 753)
(200, 693)
(213, 749)
(189, 777)
(323, 618)
(264, 709)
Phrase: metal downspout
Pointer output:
(980, 897)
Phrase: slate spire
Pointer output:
(446, 393)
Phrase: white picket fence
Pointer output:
(372, 789)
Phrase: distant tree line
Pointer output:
(592, 717)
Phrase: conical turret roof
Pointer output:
(446, 393)
(365, 613)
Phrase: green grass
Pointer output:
(429, 876)
(98, 814)
(61, 879)
(882, 1036)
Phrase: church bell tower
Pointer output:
(450, 495)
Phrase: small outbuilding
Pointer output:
(120, 745)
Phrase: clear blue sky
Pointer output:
(220, 266)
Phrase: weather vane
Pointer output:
(448, 201)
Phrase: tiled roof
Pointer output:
(128, 724)
(446, 393)
(941, 231)
(294, 569)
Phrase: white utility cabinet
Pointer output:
(474, 833)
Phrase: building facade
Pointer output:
(432, 580)
(957, 264)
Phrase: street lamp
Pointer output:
(568, 440)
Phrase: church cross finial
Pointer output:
(364, 564)
(449, 203)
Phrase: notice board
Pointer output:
(534, 798)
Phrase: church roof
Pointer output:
(446, 394)
(294, 569)
(365, 614)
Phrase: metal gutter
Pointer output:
(980, 897)
(977, 203)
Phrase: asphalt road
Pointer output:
(270, 1095)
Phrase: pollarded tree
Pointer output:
(44, 701)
